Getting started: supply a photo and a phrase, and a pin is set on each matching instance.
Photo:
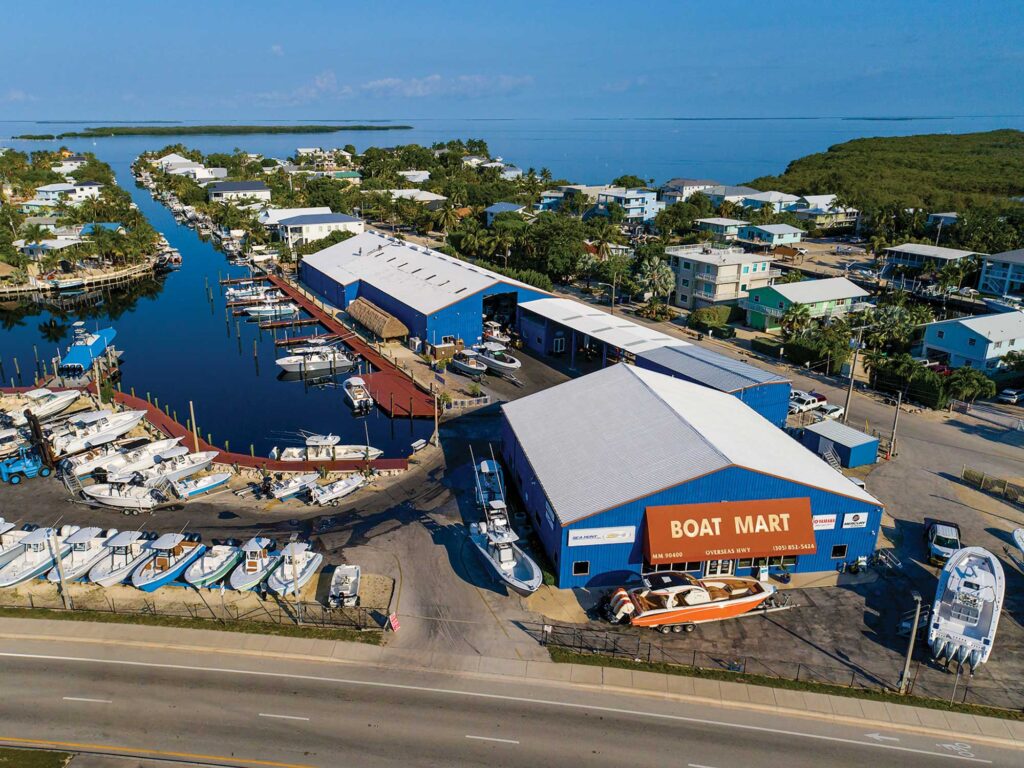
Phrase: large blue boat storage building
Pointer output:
(556, 327)
(439, 298)
(628, 470)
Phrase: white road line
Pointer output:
(89, 701)
(698, 765)
(283, 717)
(494, 697)
(489, 738)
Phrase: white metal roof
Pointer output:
(930, 251)
(812, 291)
(38, 536)
(654, 432)
(416, 195)
(295, 549)
(256, 544)
(777, 229)
(840, 433)
(415, 275)
(61, 186)
(722, 222)
(83, 535)
(611, 329)
(773, 197)
(273, 216)
(998, 326)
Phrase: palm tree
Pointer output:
(604, 235)
(904, 366)
(445, 218)
(656, 276)
(792, 276)
(969, 384)
(504, 238)
(795, 321)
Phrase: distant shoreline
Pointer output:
(201, 130)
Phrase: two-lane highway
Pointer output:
(220, 709)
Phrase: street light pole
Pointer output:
(913, 639)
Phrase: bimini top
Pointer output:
(654, 432)
(168, 541)
(295, 548)
(124, 539)
(82, 535)
(256, 544)
(421, 278)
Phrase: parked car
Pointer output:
(801, 402)
(943, 539)
(1011, 396)
(830, 412)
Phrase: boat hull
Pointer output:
(283, 584)
(215, 575)
(141, 579)
(242, 581)
(522, 587)
(108, 577)
(11, 576)
(701, 614)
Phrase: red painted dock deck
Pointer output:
(395, 392)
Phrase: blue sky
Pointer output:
(343, 60)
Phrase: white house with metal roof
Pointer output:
(429, 200)
(979, 342)
(770, 235)
(439, 298)
(238, 191)
(598, 488)
(309, 227)
(919, 254)
(1002, 274)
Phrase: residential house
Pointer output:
(1002, 274)
(415, 177)
(822, 212)
(639, 205)
(171, 160)
(94, 226)
(474, 161)
(679, 189)
(198, 172)
(613, 249)
(770, 235)
(777, 201)
(723, 192)
(72, 193)
(944, 219)
(430, 200)
(352, 177)
(550, 200)
(831, 297)
(723, 229)
(511, 172)
(492, 211)
(306, 228)
(43, 248)
(271, 217)
(978, 342)
(70, 164)
(918, 254)
(237, 191)
(707, 275)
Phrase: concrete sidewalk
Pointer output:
(840, 709)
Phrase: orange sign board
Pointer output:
(729, 529)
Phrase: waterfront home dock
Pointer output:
(394, 392)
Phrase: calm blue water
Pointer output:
(179, 348)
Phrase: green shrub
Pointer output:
(767, 346)
(707, 317)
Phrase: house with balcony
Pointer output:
(821, 212)
(1002, 274)
(238, 191)
(678, 190)
(917, 255)
(491, 212)
(770, 235)
(429, 200)
(724, 192)
(639, 205)
(310, 227)
(70, 164)
(832, 297)
(777, 201)
(72, 193)
(706, 275)
(977, 342)
(721, 228)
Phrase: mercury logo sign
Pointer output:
(712, 526)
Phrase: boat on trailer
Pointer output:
(344, 590)
(669, 599)
(493, 332)
(123, 496)
(965, 615)
(466, 361)
(196, 486)
(293, 486)
(336, 491)
(496, 357)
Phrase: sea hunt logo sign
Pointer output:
(728, 529)
(824, 522)
(588, 537)
(855, 520)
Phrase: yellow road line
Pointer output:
(139, 752)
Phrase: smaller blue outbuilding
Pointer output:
(851, 447)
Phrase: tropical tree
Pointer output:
(792, 276)
(603, 235)
(35, 234)
(969, 384)
(445, 218)
(504, 237)
(795, 321)
(656, 276)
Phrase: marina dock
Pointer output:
(395, 393)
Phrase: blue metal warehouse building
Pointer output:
(439, 298)
(851, 447)
(561, 327)
(627, 470)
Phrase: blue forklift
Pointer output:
(32, 460)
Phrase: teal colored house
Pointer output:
(771, 234)
(832, 297)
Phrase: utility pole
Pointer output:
(64, 596)
(905, 680)
(853, 371)
(895, 422)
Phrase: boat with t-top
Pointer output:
(968, 602)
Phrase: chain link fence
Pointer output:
(997, 486)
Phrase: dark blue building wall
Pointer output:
(612, 564)
(849, 456)
(771, 400)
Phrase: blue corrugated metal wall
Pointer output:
(612, 564)
(849, 456)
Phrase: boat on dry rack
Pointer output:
(673, 598)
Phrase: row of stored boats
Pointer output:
(149, 561)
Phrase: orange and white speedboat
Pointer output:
(673, 598)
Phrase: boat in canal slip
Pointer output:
(87, 549)
(968, 602)
(273, 309)
(670, 599)
(173, 553)
(299, 564)
(314, 361)
(326, 448)
(358, 395)
(258, 562)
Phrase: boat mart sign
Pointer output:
(729, 529)
(588, 537)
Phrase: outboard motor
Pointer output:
(620, 607)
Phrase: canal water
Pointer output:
(179, 347)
